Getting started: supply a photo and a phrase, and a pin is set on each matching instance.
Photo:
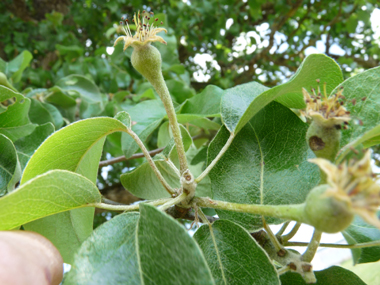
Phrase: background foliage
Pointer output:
(59, 54)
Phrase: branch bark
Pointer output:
(123, 158)
(183, 213)
(140, 154)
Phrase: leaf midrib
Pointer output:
(261, 166)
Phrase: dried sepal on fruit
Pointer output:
(146, 32)
(323, 109)
(354, 184)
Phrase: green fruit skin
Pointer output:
(147, 60)
(329, 135)
(323, 139)
(325, 213)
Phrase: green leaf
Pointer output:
(75, 148)
(237, 100)
(26, 146)
(169, 52)
(352, 23)
(143, 183)
(365, 84)
(177, 68)
(69, 52)
(58, 97)
(238, 109)
(148, 93)
(113, 145)
(375, 140)
(66, 230)
(165, 138)
(204, 187)
(55, 115)
(4, 81)
(7, 93)
(109, 255)
(53, 192)
(124, 118)
(148, 115)
(157, 251)
(198, 120)
(276, 137)
(359, 232)
(8, 163)
(64, 102)
(67, 148)
(55, 18)
(206, 103)
(200, 156)
(368, 139)
(92, 103)
(233, 256)
(170, 151)
(179, 90)
(196, 167)
(14, 122)
(41, 113)
(16, 66)
(331, 275)
(315, 66)
(111, 30)
(168, 255)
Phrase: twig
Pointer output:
(182, 213)
(283, 228)
(277, 245)
(123, 158)
(140, 154)
(173, 201)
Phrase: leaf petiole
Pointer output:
(312, 247)
(156, 171)
(216, 159)
(356, 245)
(291, 234)
(126, 208)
